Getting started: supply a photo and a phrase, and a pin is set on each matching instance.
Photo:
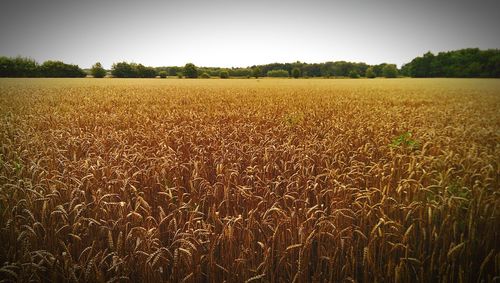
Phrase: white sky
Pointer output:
(243, 33)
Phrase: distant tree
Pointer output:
(190, 71)
(473, 70)
(98, 71)
(132, 70)
(296, 73)
(7, 67)
(278, 73)
(58, 69)
(353, 74)
(493, 65)
(162, 74)
(390, 71)
(205, 75)
(406, 70)
(123, 70)
(173, 71)
(240, 72)
(18, 67)
(256, 72)
(224, 74)
(377, 69)
(143, 71)
(420, 67)
(27, 67)
(179, 75)
(370, 73)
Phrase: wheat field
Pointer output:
(270, 180)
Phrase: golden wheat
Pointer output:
(249, 180)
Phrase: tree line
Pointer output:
(471, 62)
(25, 67)
(296, 69)
(464, 63)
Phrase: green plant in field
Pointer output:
(405, 140)
(17, 166)
(293, 119)
(456, 190)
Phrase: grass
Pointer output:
(405, 141)
(249, 180)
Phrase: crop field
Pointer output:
(270, 180)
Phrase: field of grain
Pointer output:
(272, 180)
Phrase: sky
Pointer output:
(233, 33)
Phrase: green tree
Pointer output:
(58, 69)
(278, 73)
(123, 70)
(473, 70)
(190, 71)
(18, 67)
(390, 71)
(143, 71)
(98, 71)
(173, 71)
(370, 73)
(224, 74)
(205, 75)
(256, 72)
(296, 73)
(353, 74)
(162, 74)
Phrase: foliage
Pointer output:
(256, 72)
(340, 68)
(123, 70)
(25, 67)
(144, 72)
(470, 62)
(18, 67)
(162, 74)
(278, 73)
(98, 71)
(405, 140)
(466, 63)
(205, 76)
(132, 70)
(240, 72)
(294, 119)
(296, 73)
(460, 63)
(58, 69)
(353, 74)
(173, 71)
(370, 73)
(390, 71)
(190, 71)
(224, 74)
